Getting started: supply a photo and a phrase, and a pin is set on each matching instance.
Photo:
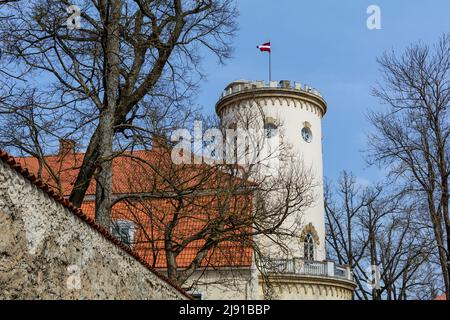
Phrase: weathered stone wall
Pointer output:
(47, 252)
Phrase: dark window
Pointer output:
(271, 130)
(197, 296)
(124, 231)
(309, 248)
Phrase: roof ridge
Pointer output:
(16, 166)
(84, 153)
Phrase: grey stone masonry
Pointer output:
(48, 252)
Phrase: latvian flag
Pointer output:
(264, 47)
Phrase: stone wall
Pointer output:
(47, 251)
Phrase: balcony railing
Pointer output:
(298, 266)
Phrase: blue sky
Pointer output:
(326, 44)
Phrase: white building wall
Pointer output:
(225, 284)
(292, 119)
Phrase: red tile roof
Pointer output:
(61, 172)
(16, 165)
(226, 254)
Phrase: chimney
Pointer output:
(160, 144)
(66, 147)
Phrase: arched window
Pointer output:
(270, 127)
(308, 249)
(270, 130)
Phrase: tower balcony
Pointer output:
(298, 279)
(298, 266)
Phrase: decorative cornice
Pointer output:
(16, 166)
(283, 280)
(272, 93)
(309, 279)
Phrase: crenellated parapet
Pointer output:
(242, 85)
(243, 93)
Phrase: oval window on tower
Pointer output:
(307, 134)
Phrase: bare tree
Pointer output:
(207, 205)
(375, 232)
(411, 135)
(108, 71)
(397, 245)
(342, 219)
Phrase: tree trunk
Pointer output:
(445, 213)
(86, 172)
(373, 262)
(103, 199)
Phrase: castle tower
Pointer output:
(293, 113)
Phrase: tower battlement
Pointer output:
(245, 85)
(244, 90)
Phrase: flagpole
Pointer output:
(270, 63)
(266, 47)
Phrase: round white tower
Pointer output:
(293, 113)
(286, 115)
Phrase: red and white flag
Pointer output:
(265, 47)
